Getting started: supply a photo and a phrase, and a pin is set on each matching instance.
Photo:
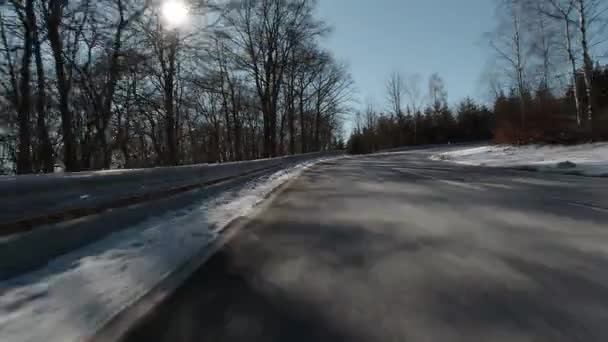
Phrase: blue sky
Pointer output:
(376, 37)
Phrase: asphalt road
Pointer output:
(400, 248)
(29, 199)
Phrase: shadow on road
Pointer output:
(223, 303)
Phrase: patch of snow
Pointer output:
(586, 159)
(78, 293)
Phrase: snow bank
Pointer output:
(77, 294)
(587, 159)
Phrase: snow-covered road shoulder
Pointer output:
(77, 294)
(584, 160)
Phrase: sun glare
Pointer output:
(174, 12)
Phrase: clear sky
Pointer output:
(376, 37)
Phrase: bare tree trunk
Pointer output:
(237, 124)
(572, 60)
(416, 117)
(53, 25)
(273, 132)
(317, 141)
(303, 137)
(587, 61)
(290, 103)
(266, 119)
(281, 147)
(394, 87)
(520, 68)
(45, 148)
(24, 156)
(291, 118)
(564, 13)
(172, 157)
(225, 81)
(110, 89)
(545, 53)
(226, 110)
(170, 124)
(292, 133)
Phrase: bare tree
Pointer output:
(370, 114)
(582, 7)
(437, 95)
(508, 42)
(268, 31)
(128, 88)
(19, 69)
(54, 19)
(44, 151)
(562, 11)
(309, 66)
(583, 14)
(166, 47)
(330, 89)
(415, 98)
(395, 92)
(544, 39)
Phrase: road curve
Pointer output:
(399, 248)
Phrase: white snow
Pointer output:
(586, 159)
(76, 294)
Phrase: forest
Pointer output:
(100, 84)
(547, 82)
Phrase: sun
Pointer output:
(174, 13)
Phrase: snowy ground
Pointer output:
(75, 295)
(587, 159)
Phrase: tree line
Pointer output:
(546, 84)
(415, 117)
(99, 84)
